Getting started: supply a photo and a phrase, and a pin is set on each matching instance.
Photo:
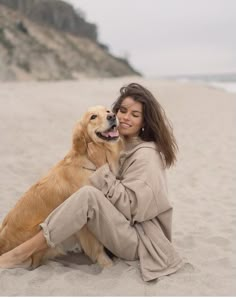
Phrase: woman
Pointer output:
(130, 214)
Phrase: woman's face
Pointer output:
(130, 116)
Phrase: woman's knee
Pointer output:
(89, 194)
(89, 191)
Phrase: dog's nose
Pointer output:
(111, 117)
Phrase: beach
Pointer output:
(37, 119)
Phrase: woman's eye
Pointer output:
(122, 111)
(93, 117)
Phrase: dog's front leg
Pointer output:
(93, 248)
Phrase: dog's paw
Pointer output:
(104, 261)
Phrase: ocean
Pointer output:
(226, 82)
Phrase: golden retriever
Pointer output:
(98, 125)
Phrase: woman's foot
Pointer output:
(7, 261)
(20, 255)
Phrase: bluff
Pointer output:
(57, 14)
(58, 46)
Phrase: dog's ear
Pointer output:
(79, 140)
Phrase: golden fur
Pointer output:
(65, 178)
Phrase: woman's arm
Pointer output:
(136, 194)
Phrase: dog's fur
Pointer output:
(65, 178)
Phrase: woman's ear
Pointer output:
(79, 141)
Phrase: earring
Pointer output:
(142, 129)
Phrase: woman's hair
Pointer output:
(157, 128)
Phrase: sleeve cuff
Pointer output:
(99, 176)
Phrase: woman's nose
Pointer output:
(126, 116)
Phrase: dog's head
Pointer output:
(98, 125)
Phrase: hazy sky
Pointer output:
(162, 37)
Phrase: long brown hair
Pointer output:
(157, 127)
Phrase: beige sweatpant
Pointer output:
(89, 206)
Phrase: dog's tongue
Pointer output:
(111, 134)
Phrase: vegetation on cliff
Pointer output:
(49, 40)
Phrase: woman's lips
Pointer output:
(124, 125)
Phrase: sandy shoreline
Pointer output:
(36, 124)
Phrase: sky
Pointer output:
(167, 37)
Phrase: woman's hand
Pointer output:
(96, 155)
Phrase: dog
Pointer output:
(98, 125)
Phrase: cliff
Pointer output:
(55, 49)
(57, 14)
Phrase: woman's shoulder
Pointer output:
(146, 148)
(143, 160)
(145, 151)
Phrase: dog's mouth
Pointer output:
(111, 134)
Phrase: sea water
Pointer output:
(224, 81)
(227, 86)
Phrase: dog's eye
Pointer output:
(93, 117)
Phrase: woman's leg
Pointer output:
(89, 206)
(86, 206)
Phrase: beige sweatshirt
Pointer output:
(139, 192)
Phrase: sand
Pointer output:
(35, 132)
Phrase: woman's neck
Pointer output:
(131, 142)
